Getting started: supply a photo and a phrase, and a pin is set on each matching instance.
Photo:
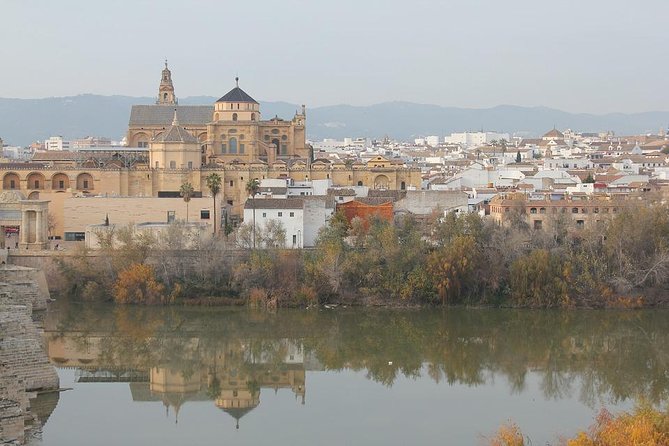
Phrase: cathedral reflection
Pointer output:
(230, 373)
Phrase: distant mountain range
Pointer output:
(23, 121)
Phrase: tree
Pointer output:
(502, 144)
(252, 187)
(186, 193)
(274, 235)
(137, 284)
(518, 157)
(214, 184)
(589, 179)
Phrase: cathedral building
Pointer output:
(230, 131)
(185, 143)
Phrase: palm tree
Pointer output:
(252, 187)
(186, 193)
(502, 143)
(214, 184)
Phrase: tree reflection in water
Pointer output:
(229, 355)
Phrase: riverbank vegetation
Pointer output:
(622, 261)
(644, 426)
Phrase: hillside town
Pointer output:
(65, 192)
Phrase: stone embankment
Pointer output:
(24, 366)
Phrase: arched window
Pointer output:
(276, 142)
(232, 145)
(164, 96)
(234, 116)
(253, 116)
(403, 185)
(359, 183)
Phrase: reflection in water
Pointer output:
(229, 356)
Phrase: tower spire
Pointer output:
(237, 80)
(166, 89)
(175, 120)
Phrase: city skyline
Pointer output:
(589, 58)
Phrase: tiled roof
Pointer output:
(56, 155)
(237, 95)
(178, 134)
(189, 115)
(555, 133)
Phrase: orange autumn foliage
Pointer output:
(508, 435)
(137, 284)
(645, 427)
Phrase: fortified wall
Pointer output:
(24, 366)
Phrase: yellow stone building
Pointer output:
(186, 144)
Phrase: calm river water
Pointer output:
(205, 376)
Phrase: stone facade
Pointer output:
(228, 139)
(24, 366)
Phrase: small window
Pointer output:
(359, 183)
(224, 147)
(275, 131)
(61, 184)
(171, 216)
(232, 183)
(12, 184)
(574, 210)
(75, 236)
(280, 214)
(580, 223)
(537, 224)
(292, 214)
(234, 116)
(294, 240)
(85, 184)
(190, 164)
(264, 214)
(156, 164)
(533, 210)
(173, 164)
(241, 148)
(204, 214)
(284, 138)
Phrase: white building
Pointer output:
(475, 138)
(56, 143)
(301, 218)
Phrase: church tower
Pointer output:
(166, 89)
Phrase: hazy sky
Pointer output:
(576, 55)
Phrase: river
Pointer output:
(201, 376)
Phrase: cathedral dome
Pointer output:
(237, 95)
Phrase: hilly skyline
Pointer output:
(23, 121)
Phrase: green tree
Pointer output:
(518, 157)
(252, 187)
(589, 179)
(186, 193)
(214, 184)
(540, 279)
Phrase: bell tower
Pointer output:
(166, 89)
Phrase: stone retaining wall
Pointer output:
(24, 365)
